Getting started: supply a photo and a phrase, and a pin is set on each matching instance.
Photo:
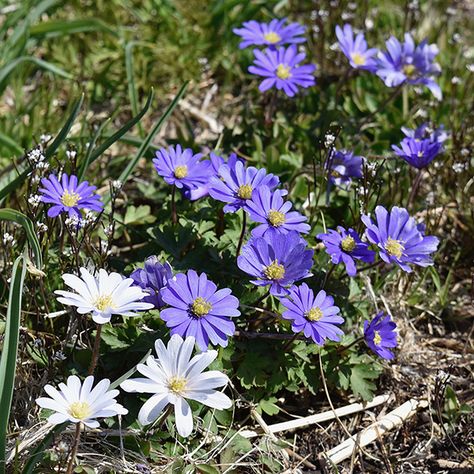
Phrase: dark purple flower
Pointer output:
(360, 57)
(399, 239)
(199, 310)
(418, 152)
(281, 70)
(272, 34)
(277, 260)
(407, 63)
(316, 316)
(237, 183)
(345, 246)
(425, 131)
(380, 334)
(153, 278)
(181, 168)
(344, 165)
(269, 208)
(69, 196)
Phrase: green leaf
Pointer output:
(206, 469)
(361, 380)
(268, 406)
(138, 215)
(56, 28)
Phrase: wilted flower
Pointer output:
(69, 196)
(399, 239)
(315, 316)
(269, 208)
(199, 309)
(380, 334)
(281, 69)
(103, 296)
(407, 63)
(275, 33)
(80, 403)
(152, 279)
(345, 246)
(344, 165)
(355, 49)
(277, 260)
(174, 377)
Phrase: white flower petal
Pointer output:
(184, 417)
(152, 408)
(199, 362)
(141, 385)
(211, 398)
(51, 404)
(208, 380)
(58, 418)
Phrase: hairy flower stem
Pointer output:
(95, 351)
(414, 189)
(242, 233)
(77, 437)
(174, 217)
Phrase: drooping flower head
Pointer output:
(407, 63)
(281, 69)
(80, 403)
(380, 334)
(399, 239)
(181, 168)
(152, 279)
(199, 309)
(237, 184)
(355, 49)
(277, 260)
(174, 377)
(344, 165)
(418, 153)
(103, 296)
(425, 131)
(345, 246)
(69, 196)
(316, 315)
(269, 208)
(275, 33)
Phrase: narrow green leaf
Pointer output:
(54, 28)
(11, 144)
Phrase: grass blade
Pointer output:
(9, 353)
(54, 28)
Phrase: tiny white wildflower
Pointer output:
(470, 67)
(34, 200)
(8, 239)
(455, 80)
(45, 138)
(36, 155)
(117, 184)
(464, 151)
(329, 139)
(71, 154)
(42, 227)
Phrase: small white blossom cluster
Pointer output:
(36, 156)
(41, 226)
(71, 154)
(329, 139)
(34, 200)
(45, 138)
(460, 167)
(8, 239)
(117, 184)
(74, 222)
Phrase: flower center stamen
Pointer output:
(104, 302)
(200, 307)
(394, 247)
(80, 410)
(409, 70)
(377, 338)
(272, 37)
(283, 71)
(348, 244)
(274, 271)
(70, 199)
(245, 191)
(181, 171)
(276, 218)
(358, 59)
(177, 385)
(314, 314)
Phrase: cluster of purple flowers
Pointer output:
(280, 66)
(401, 63)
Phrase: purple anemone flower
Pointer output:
(345, 246)
(275, 33)
(199, 309)
(407, 63)
(424, 131)
(344, 165)
(269, 208)
(237, 183)
(69, 196)
(399, 239)
(315, 315)
(380, 334)
(418, 152)
(153, 278)
(355, 49)
(281, 69)
(181, 168)
(277, 260)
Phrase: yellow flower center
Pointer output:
(177, 385)
(274, 271)
(358, 59)
(394, 247)
(335, 174)
(420, 154)
(245, 191)
(181, 171)
(80, 410)
(272, 37)
(200, 307)
(103, 302)
(283, 72)
(314, 314)
(70, 199)
(276, 218)
(377, 338)
(409, 70)
(348, 244)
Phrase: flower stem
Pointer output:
(341, 349)
(414, 189)
(95, 351)
(77, 437)
(242, 233)
(174, 218)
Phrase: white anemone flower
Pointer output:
(175, 377)
(80, 403)
(103, 296)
